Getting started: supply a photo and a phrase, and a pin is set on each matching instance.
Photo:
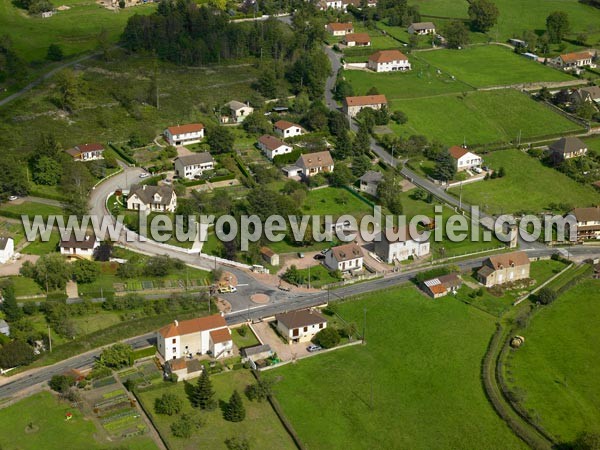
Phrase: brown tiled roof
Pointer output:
(450, 280)
(336, 26)
(359, 38)
(188, 128)
(587, 214)
(437, 289)
(193, 326)
(72, 242)
(284, 125)
(220, 335)
(83, 148)
(387, 56)
(300, 318)
(365, 100)
(267, 252)
(567, 144)
(3, 242)
(346, 252)
(314, 160)
(508, 259)
(271, 142)
(457, 152)
(572, 57)
(590, 91)
(177, 364)
(485, 271)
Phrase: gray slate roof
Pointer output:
(250, 351)
(372, 176)
(568, 144)
(3, 242)
(196, 158)
(146, 193)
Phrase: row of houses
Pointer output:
(344, 28)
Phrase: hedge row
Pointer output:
(119, 151)
(242, 167)
(141, 353)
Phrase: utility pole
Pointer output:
(309, 277)
(364, 326)
(460, 197)
(49, 339)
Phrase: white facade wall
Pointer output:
(185, 138)
(8, 252)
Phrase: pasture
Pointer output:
(75, 30)
(416, 384)
(556, 374)
(528, 186)
(479, 118)
(491, 65)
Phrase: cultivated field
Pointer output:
(528, 186)
(556, 373)
(416, 384)
(49, 429)
(479, 118)
(75, 30)
(502, 66)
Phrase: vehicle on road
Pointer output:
(12, 198)
(314, 348)
(319, 256)
(144, 175)
(227, 289)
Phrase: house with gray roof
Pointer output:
(4, 327)
(7, 249)
(194, 165)
(370, 181)
(567, 148)
(238, 112)
(300, 325)
(152, 198)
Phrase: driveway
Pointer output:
(12, 267)
(286, 352)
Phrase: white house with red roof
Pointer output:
(339, 28)
(273, 146)
(188, 134)
(353, 105)
(200, 336)
(287, 129)
(345, 257)
(357, 40)
(86, 152)
(464, 159)
(388, 61)
(570, 61)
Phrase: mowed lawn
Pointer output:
(416, 384)
(502, 66)
(479, 117)
(50, 429)
(558, 370)
(421, 81)
(528, 186)
(75, 30)
(261, 426)
(335, 202)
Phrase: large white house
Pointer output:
(287, 129)
(388, 61)
(239, 111)
(353, 105)
(192, 133)
(86, 152)
(570, 61)
(273, 146)
(74, 248)
(463, 158)
(345, 257)
(301, 325)
(396, 244)
(7, 249)
(340, 29)
(190, 166)
(204, 335)
(152, 198)
(588, 222)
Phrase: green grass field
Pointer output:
(38, 247)
(50, 429)
(248, 340)
(593, 144)
(421, 81)
(75, 30)
(557, 369)
(416, 384)
(479, 118)
(261, 426)
(491, 65)
(25, 287)
(528, 186)
(334, 202)
(30, 209)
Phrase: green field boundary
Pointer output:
(119, 151)
(358, 196)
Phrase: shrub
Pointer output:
(259, 390)
(185, 426)
(235, 411)
(546, 296)
(327, 338)
(168, 404)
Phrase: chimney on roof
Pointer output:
(87, 237)
(176, 322)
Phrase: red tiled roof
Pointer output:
(315, 160)
(193, 326)
(347, 252)
(221, 335)
(387, 56)
(271, 142)
(508, 259)
(189, 128)
(93, 147)
(365, 100)
(336, 26)
(570, 57)
(437, 289)
(284, 125)
(457, 152)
